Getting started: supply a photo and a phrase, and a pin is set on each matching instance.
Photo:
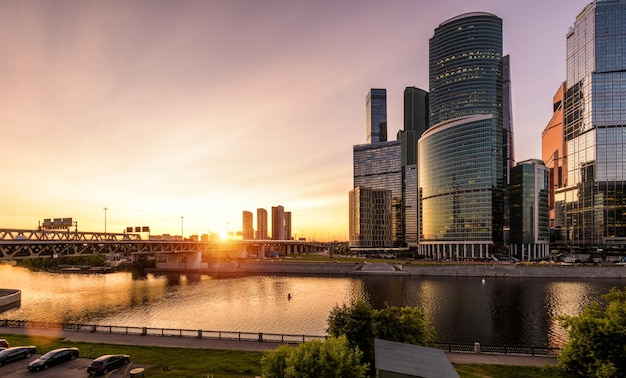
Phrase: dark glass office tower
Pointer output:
(465, 68)
(376, 115)
(461, 164)
(415, 123)
(594, 201)
(530, 214)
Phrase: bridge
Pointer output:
(18, 244)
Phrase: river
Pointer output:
(511, 311)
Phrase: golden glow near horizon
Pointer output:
(155, 109)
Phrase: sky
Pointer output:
(179, 115)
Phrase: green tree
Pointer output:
(356, 322)
(330, 358)
(404, 325)
(361, 325)
(597, 338)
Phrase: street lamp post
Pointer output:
(105, 220)
(181, 229)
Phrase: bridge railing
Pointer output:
(262, 337)
(165, 332)
(498, 349)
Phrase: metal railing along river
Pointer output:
(260, 336)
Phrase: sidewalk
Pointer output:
(206, 343)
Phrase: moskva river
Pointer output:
(511, 311)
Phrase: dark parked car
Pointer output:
(16, 353)
(4, 343)
(107, 363)
(55, 356)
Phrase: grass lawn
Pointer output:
(497, 371)
(196, 363)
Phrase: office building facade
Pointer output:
(461, 164)
(376, 115)
(415, 124)
(247, 227)
(378, 166)
(594, 201)
(370, 220)
(553, 153)
(530, 215)
(278, 223)
(288, 234)
(261, 224)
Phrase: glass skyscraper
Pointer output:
(594, 201)
(553, 154)
(378, 166)
(415, 123)
(461, 163)
(530, 215)
(376, 115)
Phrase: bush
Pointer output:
(597, 339)
(330, 358)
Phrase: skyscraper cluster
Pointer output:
(281, 224)
(584, 142)
(448, 185)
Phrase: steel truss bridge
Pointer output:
(22, 244)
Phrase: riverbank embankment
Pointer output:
(217, 344)
(251, 267)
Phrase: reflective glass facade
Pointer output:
(457, 182)
(593, 205)
(410, 205)
(465, 68)
(553, 154)
(376, 115)
(378, 166)
(530, 215)
(461, 157)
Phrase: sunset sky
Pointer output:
(159, 110)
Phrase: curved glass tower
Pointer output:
(461, 163)
(465, 68)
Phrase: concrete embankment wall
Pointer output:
(342, 268)
(9, 297)
(282, 267)
(517, 271)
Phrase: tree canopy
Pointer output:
(361, 324)
(597, 338)
(330, 358)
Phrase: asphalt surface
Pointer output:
(71, 369)
(77, 368)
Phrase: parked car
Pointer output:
(107, 363)
(54, 357)
(4, 343)
(16, 353)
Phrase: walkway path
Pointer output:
(206, 343)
